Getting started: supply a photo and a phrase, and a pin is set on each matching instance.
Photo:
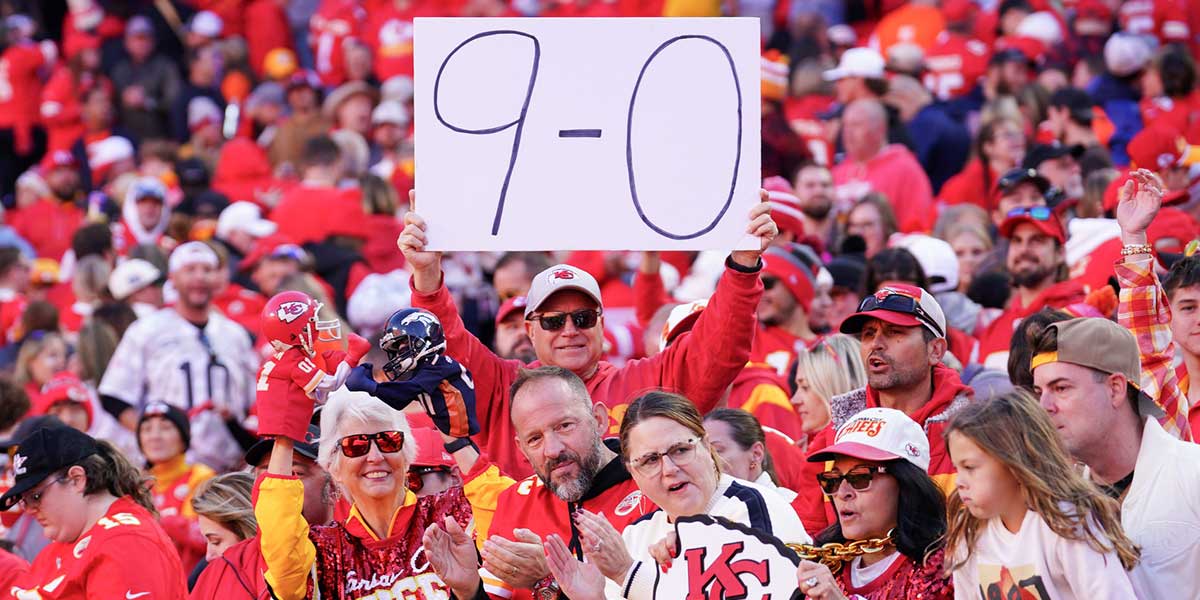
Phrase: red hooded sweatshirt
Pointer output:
(995, 341)
(237, 574)
(949, 395)
(699, 365)
(895, 173)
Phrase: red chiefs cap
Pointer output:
(1171, 230)
(559, 278)
(430, 449)
(957, 11)
(1041, 217)
(56, 159)
(510, 306)
(1093, 9)
(64, 387)
(1159, 148)
(898, 304)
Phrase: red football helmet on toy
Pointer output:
(292, 319)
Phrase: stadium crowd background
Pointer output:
(970, 154)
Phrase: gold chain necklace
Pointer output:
(835, 556)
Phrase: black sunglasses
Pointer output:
(901, 303)
(354, 446)
(769, 282)
(584, 318)
(859, 478)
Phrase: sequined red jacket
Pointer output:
(904, 580)
(350, 561)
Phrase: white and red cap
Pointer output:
(131, 276)
(924, 311)
(559, 278)
(680, 320)
(191, 253)
(858, 62)
(878, 434)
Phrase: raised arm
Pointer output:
(1143, 306)
(702, 364)
(430, 294)
(286, 548)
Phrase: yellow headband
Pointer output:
(1042, 359)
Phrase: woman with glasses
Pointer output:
(668, 453)
(367, 448)
(95, 507)
(887, 541)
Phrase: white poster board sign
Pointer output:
(718, 558)
(587, 134)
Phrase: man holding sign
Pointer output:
(564, 319)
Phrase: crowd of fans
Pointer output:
(958, 366)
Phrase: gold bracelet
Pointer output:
(1132, 249)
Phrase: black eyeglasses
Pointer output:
(859, 478)
(354, 446)
(416, 479)
(1037, 213)
(33, 500)
(584, 318)
(895, 301)
(769, 282)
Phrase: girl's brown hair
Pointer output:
(1015, 430)
(668, 406)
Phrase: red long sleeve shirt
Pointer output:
(700, 365)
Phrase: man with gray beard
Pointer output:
(559, 430)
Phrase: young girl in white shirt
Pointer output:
(1023, 523)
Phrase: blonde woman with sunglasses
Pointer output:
(367, 448)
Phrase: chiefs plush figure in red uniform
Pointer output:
(311, 359)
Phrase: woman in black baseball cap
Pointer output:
(95, 508)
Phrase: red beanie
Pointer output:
(792, 273)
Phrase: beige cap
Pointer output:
(1102, 345)
(559, 278)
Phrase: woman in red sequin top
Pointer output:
(376, 551)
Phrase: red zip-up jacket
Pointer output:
(700, 365)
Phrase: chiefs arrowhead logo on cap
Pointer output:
(912, 450)
(19, 464)
(562, 274)
(290, 311)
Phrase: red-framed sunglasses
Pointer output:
(354, 446)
